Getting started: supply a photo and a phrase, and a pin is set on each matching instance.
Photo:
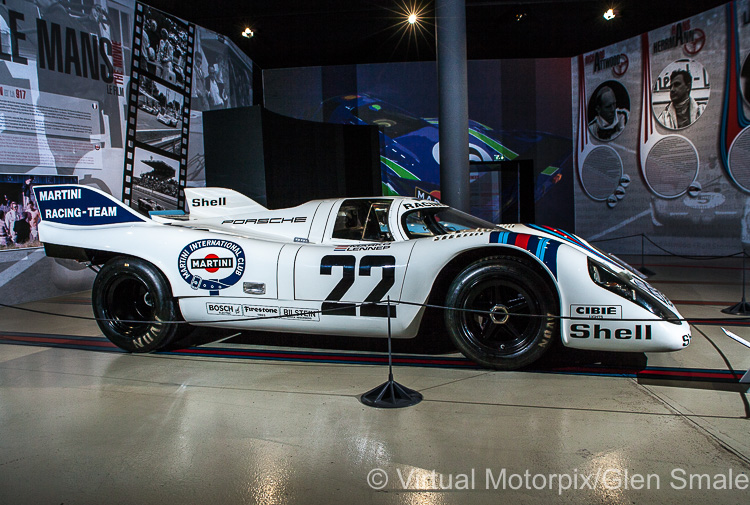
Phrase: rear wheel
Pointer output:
(495, 326)
(130, 296)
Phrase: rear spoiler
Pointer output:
(218, 202)
(75, 205)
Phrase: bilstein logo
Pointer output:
(209, 258)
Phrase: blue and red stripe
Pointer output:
(543, 248)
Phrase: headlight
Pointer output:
(633, 289)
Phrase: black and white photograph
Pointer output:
(608, 110)
(155, 184)
(164, 47)
(681, 94)
(159, 118)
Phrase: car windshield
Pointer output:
(440, 221)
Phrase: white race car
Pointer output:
(351, 267)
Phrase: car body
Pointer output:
(355, 267)
(148, 204)
(167, 119)
(410, 153)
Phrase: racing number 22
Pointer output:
(333, 304)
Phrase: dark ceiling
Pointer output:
(294, 33)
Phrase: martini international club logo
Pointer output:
(211, 264)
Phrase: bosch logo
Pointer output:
(223, 309)
(211, 264)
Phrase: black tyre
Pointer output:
(501, 285)
(129, 294)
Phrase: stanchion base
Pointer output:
(740, 309)
(391, 395)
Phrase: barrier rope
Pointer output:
(381, 303)
(643, 236)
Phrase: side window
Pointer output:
(362, 220)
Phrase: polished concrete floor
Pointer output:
(245, 422)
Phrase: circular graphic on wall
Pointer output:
(608, 110)
(680, 94)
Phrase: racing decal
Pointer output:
(260, 312)
(422, 204)
(223, 309)
(639, 332)
(473, 233)
(257, 312)
(543, 248)
(572, 239)
(267, 220)
(362, 247)
(301, 314)
(335, 307)
(81, 206)
(205, 202)
(596, 311)
(211, 264)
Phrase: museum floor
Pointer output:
(237, 421)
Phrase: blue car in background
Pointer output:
(410, 153)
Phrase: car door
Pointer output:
(357, 265)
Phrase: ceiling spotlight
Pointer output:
(248, 33)
(609, 15)
(412, 18)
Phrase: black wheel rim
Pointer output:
(127, 302)
(516, 333)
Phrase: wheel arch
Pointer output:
(99, 257)
(439, 288)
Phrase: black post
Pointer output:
(742, 308)
(390, 394)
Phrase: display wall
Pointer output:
(678, 175)
(518, 109)
(109, 93)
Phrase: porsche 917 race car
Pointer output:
(352, 266)
(167, 119)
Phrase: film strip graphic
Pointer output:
(158, 115)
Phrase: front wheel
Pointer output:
(130, 297)
(505, 313)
